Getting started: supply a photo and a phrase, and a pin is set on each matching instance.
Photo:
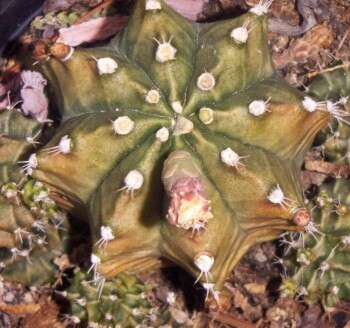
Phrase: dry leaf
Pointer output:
(190, 9)
(92, 30)
(255, 288)
(309, 46)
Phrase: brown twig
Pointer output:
(93, 11)
(341, 43)
(19, 309)
(330, 69)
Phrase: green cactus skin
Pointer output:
(331, 85)
(334, 142)
(17, 136)
(33, 233)
(167, 105)
(122, 303)
(321, 269)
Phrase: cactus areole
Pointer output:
(173, 138)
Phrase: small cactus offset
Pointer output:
(120, 302)
(333, 141)
(321, 263)
(61, 19)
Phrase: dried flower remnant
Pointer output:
(34, 101)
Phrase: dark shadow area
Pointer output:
(152, 211)
(79, 246)
(182, 281)
(340, 319)
(15, 15)
(217, 12)
(273, 288)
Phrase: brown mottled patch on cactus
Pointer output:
(180, 141)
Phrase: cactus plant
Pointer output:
(121, 303)
(320, 269)
(33, 233)
(318, 264)
(30, 240)
(333, 141)
(178, 140)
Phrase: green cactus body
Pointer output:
(334, 141)
(322, 266)
(121, 303)
(180, 140)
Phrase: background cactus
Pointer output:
(321, 270)
(30, 236)
(319, 266)
(123, 302)
(33, 233)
